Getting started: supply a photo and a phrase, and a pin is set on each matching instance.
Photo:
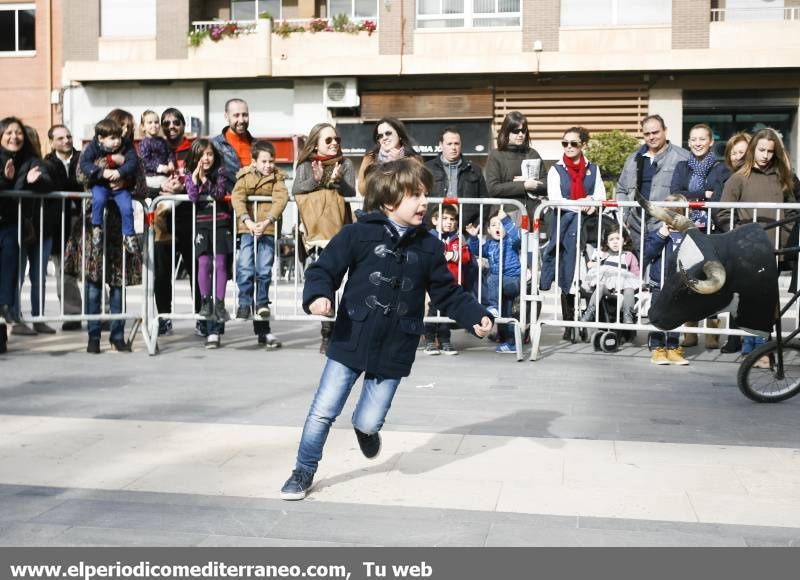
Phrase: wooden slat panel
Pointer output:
(473, 104)
(551, 109)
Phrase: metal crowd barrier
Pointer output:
(543, 314)
(286, 291)
(22, 306)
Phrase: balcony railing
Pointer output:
(755, 14)
(243, 26)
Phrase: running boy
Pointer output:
(256, 229)
(456, 254)
(391, 262)
(101, 163)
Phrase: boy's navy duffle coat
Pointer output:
(379, 320)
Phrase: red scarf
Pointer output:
(576, 172)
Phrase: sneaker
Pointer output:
(97, 237)
(22, 329)
(297, 486)
(762, 363)
(659, 356)
(370, 444)
(94, 346)
(164, 327)
(449, 349)
(5, 312)
(43, 328)
(243, 312)
(272, 342)
(430, 349)
(212, 341)
(71, 325)
(120, 345)
(262, 339)
(200, 328)
(675, 356)
(263, 312)
(131, 244)
(219, 311)
(506, 348)
(206, 307)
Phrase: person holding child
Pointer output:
(256, 230)
(613, 269)
(379, 319)
(214, 233)
(445, 228)
(500, 256)
(107, 159)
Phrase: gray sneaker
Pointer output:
(430, 349)
(449, 349)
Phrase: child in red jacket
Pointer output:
(457, 256)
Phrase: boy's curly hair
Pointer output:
(389, 183)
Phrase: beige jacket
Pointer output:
(251, 182)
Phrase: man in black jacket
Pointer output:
(62, 165)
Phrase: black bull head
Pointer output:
(706, 271)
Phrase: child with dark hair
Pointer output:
(456, 254)
(613, 269)
(101, 167)
(213, 234)
(501, 260)
(255, 222)
(390, 262)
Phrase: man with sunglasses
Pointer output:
(649, 170)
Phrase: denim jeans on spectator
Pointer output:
(750, 343)
(8, 264)
(122, 197)
(37, 271)
(254, 263)
(510, 291)
(334, 387)
(668, 340)
(93, 295)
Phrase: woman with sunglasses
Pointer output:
(504, 166)
(573, 177)
(323, 179)
(392, 142)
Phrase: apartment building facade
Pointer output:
(604, 64)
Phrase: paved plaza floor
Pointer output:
(190, 447)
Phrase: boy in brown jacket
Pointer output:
(255, 225)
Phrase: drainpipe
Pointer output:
(49, 57)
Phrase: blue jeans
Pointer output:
(256, 256)
(750, 343)
(93, 295)
(8, 264)
(668, 340)
(36, 274)
(122, 198)
(334, 387)
(504, 306)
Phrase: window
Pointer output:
(615, 12)
(128, 18)
(467, 13)
(250, 9)
(17, 29)
(751, 10)
(354, 9)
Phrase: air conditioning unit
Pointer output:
(341, 93)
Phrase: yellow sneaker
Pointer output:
(675, 356)
(659, 356)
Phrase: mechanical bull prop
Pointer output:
(707, 270)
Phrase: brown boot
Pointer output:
(712, 340)
(689, 338)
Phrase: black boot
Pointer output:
(325, 333)
(733, 345)
(568, 313)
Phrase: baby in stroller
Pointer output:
(613, 271)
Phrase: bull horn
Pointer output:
(715, 279)
(676, 221)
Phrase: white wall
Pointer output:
(271, 110)
(309, 108)
(669, 104)
(87, 104)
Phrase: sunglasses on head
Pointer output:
(574, 144)
(174, 123)
(386, 134)
(518, 130)
(329, 140)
